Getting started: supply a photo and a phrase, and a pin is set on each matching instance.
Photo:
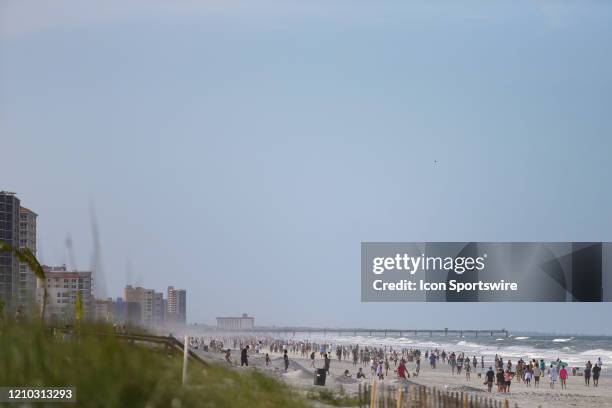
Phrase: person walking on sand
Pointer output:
(244, 357)
(537, 373)
(312, 359)
(327, 363)
(596, 372)
(507, 380)
(500, 380)
(489, 377)
(552, 375)
(379, 370)
(286, 360)
(267, 360)
(468, 368)
(587, 374)
(228, 356)
(563, 377)
(528, 375)
(401, 369)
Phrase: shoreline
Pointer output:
(300, 376)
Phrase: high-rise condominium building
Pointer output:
(177, 305)
(151, 304)
(62, 287)
(9, 233)
(27, 239)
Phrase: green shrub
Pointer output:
(110, 372)
(334, 398)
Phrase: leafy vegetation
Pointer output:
(110, 372)
(336, 399)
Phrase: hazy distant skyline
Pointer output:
(243, 151)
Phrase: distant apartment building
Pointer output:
(244, 322)
(177, 305)
(62, 287)
(120, 312)
(104, 310)
(126, 312)
(26, 294)
(9, 234)
(151, 303)
(159, 309)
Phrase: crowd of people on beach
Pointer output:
(534, 370)
(384, 360)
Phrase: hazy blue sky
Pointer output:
(244, 150)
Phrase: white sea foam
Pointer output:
(468, 344)
(595, 353)
(507, 347)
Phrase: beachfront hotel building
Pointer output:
(9, 234)
(62, 287)
(244, 322)
(177, 305)
(26, 293)
(151, 304)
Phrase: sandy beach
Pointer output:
(301, 375)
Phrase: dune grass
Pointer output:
(333, 398)
(114, 373)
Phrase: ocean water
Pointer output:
(575, 350)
